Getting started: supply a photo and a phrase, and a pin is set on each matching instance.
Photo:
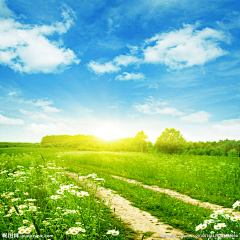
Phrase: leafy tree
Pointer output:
(140, 140)
(233, 153)
(170, 141)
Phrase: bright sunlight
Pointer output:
(109, 132)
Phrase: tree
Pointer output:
(170, 141)
(140, 140)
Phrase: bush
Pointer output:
(233, 153)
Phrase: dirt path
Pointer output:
(177, 195)
(140, 221)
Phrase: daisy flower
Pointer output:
(54, 196)
(28, 230)
(222, 224)
(234, 219)
(60, 191)
(236, 204)
(115, 233)
(217, 227)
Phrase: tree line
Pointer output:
(170, 141)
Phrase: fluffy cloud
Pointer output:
(26, 49)
(125, 60)
(40, 102)
(48, 109)
(130, 76)
(44, 104)
(152, 106)
(185, 47)
(98, 68)
(177, 49)
(198, 117)
(112, 66)
(10, 121)
(25, 112)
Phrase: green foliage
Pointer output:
(91, 143)
(140, 140)
(233, 153)
(18, 144)
(170, 141)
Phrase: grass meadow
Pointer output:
(38, 199)
(208, 178)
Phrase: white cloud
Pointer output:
(198, 117)
(25, 112)
(125, 60)
(44, 104)
(112, 66)
(26, 49)
(178, 49)
(170, 111)
(40, 102)
(48, 109)
(10, 121)
(130, 76)
(133, 49)
(98, 68)
(185, 47)
(231, 126)
(153, 85)
(50, 128)
(152, 106)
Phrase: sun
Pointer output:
(109, 132)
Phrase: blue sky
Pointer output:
(114, 68)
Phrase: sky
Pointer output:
(115, 68)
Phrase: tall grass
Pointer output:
(38, 199)
(208, 178)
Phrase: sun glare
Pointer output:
(109, 132)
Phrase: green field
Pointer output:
(37, 198)
(208, 178)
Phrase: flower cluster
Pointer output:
(26, 230)
(220, 219)
(113, 232)
(75, 230)
(20, 203)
